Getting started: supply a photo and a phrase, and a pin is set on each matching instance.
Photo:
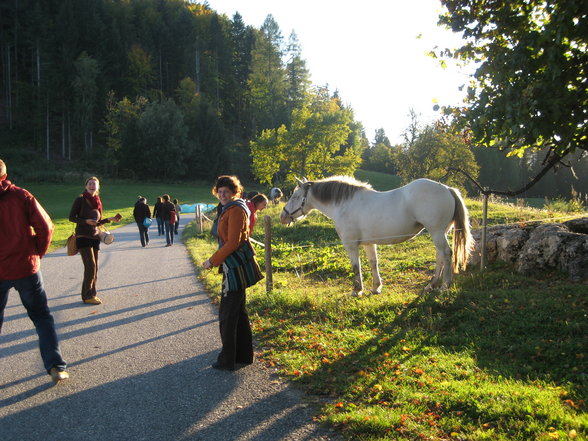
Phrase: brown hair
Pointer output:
(231, 182)
(2, 168)
(258, 198)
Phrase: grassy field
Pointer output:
(498, 357)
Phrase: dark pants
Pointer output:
(143, 234)
(159, 226)
(34, 299)
(177, 225)
(90, 260)
(235, 330)
(169, 232)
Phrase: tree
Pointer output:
(162, 142)
(85, 91)
(206, 154)
(432, 153)
(297, 73)
(529, 90)
(310, 147)
(267, 80)
(140, 71)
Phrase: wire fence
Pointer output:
(201, 218)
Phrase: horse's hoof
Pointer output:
(378, 290)
(356, 293)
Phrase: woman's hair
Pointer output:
(159, 199)
(166, 197)
(231, 182)
(176, 201)
(259, 198)
(97, 182)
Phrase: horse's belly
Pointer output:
(377, 233)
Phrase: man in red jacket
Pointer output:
(25, 235)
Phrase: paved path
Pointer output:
(139, 363)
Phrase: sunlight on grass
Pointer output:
(498, 357)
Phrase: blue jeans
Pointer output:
(34, 299)
(169, 232)
(159, 225)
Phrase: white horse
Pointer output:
(368, 217)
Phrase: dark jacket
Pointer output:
(25, 232)
(140, 212)
(80, 212)
(157, 210)
(166, 209)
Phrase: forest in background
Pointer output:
(169, 89)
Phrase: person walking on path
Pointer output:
(25, 234)
(167, 212)
(157, 214)
(232, 231)
(140, 213)
(178, 211)
(86, 213)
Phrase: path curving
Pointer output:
(139, 363)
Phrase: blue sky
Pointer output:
(372, 51)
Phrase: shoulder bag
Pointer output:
(241, 268)
(72, 248)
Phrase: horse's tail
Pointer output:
(463, 242)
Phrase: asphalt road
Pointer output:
(140, 362)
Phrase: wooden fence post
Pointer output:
(269, 280)
(484, 226)
(199, 217)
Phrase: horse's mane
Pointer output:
(337, 188)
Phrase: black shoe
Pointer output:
(223, 366)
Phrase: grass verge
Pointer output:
(498, 357)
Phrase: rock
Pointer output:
(533, 248)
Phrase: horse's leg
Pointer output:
(353, 253)
(443, 268)
(372, 254)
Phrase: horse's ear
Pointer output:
(300, 182)
(304, 180)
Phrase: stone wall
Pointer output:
(533, 248)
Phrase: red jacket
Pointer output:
(25, 232)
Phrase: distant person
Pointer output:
(140, 213)
(25, 236)
(255, 204)
(86, 213)
(157, 214)
(275, 195)
(178, 211)
(232, 231)
(168, 210)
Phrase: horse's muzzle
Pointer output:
(285, 218)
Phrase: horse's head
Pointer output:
(294, 209)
